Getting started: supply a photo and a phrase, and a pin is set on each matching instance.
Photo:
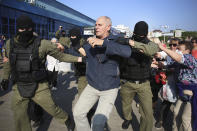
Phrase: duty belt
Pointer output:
(138, 81)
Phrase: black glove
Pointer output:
(122, 40)
(4, 84)
(66, 50)
(84, 59)
(78, 47)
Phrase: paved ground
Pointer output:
(63, 97)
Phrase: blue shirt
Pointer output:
(102, 68)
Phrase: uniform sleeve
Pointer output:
(82, 42)
(149, 49)
(113, 48)
(65, 41)
(6, 66)
(46, 48)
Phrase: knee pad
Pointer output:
(98, 122)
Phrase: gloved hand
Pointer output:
(4, 84)
(122, 40)
(84, 59)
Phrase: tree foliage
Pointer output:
(161, 38)
(189, 34)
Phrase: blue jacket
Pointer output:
(102, 68)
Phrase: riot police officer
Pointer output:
(61, 36)
(80, 68)
(27, 56)
(135, 73)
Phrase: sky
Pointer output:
(176, 14)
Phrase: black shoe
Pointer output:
(125, 124)
(70, 124)
(50, 85)
(106, 128)
(158, 125)
(36, 124)
(90, 115)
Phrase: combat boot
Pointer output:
(125, 124)
(70, 124)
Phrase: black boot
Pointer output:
(70, 124)
(158, 124)
(125, 124)
(36, 124)
(50, 86)
(106, 128)
(90, 115)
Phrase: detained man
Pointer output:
(102, 72)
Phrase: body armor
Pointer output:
(26, 67)
(137, 67)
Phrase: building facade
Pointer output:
(47, 15)
(124, 30)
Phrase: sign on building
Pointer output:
(88, 31)
(178, 33)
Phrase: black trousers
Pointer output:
(165, 108)
(35, 112)
(52, 77)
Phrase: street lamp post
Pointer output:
(165, 27)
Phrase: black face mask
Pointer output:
(140, 39)
(25, 36)
(137, 38)
(63, 35)
(74, 41)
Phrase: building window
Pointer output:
(4, 21)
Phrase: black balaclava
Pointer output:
(63, 33)
(24, 22)
(75, 32)
(140, 32)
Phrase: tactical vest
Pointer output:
(80, 68)
(137, 67)
(26, 67)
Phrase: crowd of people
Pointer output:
(104, 64)
(2, 45)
